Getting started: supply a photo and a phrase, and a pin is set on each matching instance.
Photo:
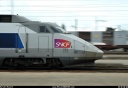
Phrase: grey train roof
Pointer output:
(33, 25)
(21, 19)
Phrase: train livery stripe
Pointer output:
(19, 44)
(10, 40)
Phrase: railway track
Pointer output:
(78, 68)
(115, 52)
(101, 67)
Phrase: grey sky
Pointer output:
(113, 12)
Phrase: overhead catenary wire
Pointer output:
(68, 9)
(67, 6)
(52, 0)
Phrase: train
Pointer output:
(33, 43)
(105, 40)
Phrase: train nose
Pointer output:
(99, 54)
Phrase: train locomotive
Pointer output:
(32, 43)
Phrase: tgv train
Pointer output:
(29, 43)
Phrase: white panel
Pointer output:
(79, 46)
(120, 38)
(9, 27)
(43, 43)
(12, 28)
(22, 35)
(31, 43)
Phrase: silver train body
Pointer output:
(27, 43)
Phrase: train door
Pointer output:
(45, 42)
(22, 40)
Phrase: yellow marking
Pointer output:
(96, 36)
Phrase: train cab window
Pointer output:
(54, 30)
(43, 29)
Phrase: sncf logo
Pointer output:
(60, 43)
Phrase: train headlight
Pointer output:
(76, 58)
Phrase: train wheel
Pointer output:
(54, 63)
(10, 63)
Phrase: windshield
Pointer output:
(56, 28)
(61, 29)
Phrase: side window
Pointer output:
(54, 30)
(5, 18)
(43, 29)
(47, 31)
